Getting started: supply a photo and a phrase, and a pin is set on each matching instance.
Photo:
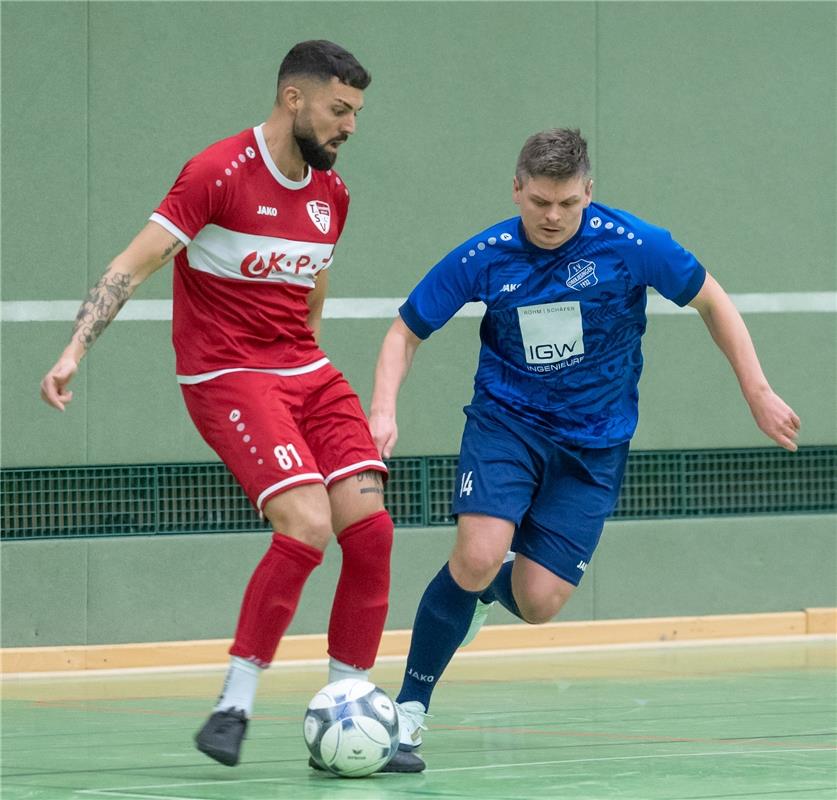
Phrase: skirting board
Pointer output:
(813, 621)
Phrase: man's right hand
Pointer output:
(54, 385)
(384, 432)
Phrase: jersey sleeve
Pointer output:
(442, 292)
(666, 265)
(192, 202)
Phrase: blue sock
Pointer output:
(500, 589)
(442, 620)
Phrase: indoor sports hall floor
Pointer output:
(754, 721)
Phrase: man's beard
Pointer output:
(312, 151)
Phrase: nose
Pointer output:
(349, 124)
(553, 213)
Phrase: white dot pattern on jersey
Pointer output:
(595, 222)
(481, 245)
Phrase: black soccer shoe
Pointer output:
(402, 761)
(220, 738)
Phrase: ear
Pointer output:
(290, 97)
(516, 188)
(588, 193)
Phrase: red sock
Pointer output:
(362, 597)
(271, 598)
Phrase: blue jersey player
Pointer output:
(555, 397)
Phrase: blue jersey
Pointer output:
(562, 328)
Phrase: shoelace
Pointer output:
(415, 716)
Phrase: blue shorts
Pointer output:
(557, 495)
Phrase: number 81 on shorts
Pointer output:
(287, 456)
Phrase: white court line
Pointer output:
(730, 641)
(387, 307)
(126, 791)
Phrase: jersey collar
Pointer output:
(273, 169)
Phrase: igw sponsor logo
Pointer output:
(550, 351)
(258, 265)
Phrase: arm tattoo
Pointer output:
(375, 478)
(169, 251)
(100, 306)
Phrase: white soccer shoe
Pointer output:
(477, 621)
(411, 716)
(481, 612)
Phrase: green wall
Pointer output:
(714, 119)
(103, 591)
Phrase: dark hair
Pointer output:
(559, 153)
(322, 59)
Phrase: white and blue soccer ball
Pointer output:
(351, 728)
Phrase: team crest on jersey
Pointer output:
(320, 214)
(581, 274)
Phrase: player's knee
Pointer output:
(474, 570)
(367, 543)
(539, 609)
(309, 523)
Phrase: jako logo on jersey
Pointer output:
(582, 565)
(253, 265)
(510, 287)
(320, 214)
(581, 274)
(267, 211)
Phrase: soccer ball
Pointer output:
(351, 728)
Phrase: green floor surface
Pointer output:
(755, 722)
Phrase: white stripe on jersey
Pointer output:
(285, 372)
(170, 227)
(250, 257)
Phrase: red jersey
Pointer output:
(255, 241)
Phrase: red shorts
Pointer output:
(275, 432)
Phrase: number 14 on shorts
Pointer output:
(466, 485)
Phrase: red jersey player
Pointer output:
(252, 223)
